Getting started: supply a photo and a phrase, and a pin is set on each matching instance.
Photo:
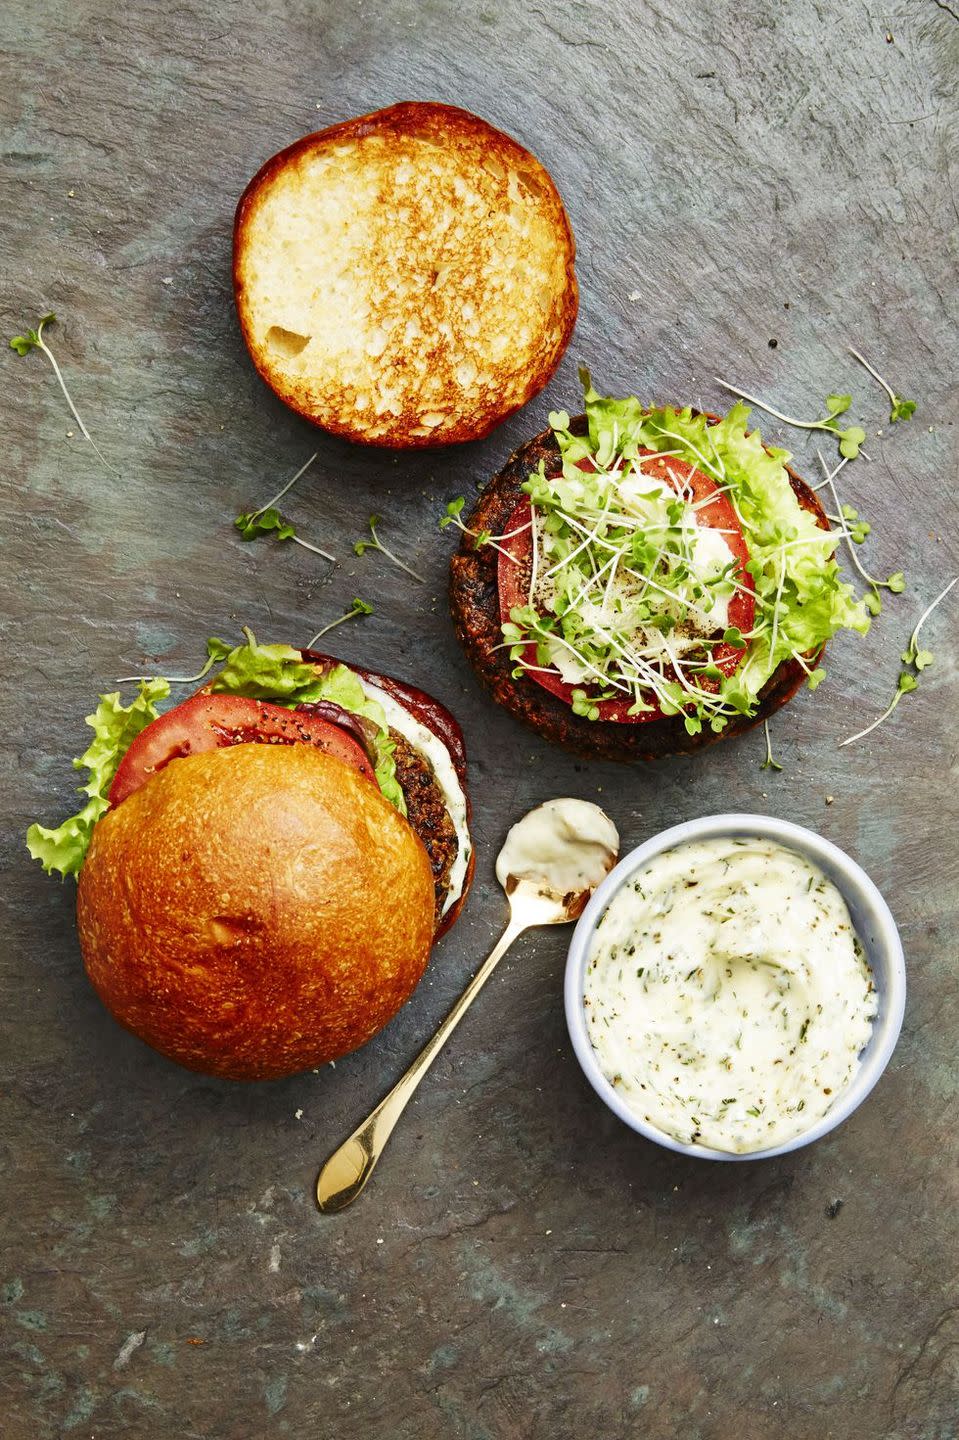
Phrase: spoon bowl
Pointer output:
(543, 907)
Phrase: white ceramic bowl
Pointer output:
(870, 915)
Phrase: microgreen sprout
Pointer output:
(896, 582)
(361, 546)
(850, 439)
(769, 763)
(899, 409)
(215, 650)
(912, 655)
(254, 514)
(268, 520)
(33, 340)
(583, 705)
(262, 522)
(907, 682)
(858, 529)
(358, 607)
(454, 511)
(453, 516)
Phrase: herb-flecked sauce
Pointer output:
(727, 995)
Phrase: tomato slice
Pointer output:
(713, 509)
(212, 722)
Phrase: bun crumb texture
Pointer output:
(255, 911)
(405, 279)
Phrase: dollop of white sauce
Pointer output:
(422, 738)
(565, 846)
(728, 997)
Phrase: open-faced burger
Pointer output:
(263, 869)
(643, 580)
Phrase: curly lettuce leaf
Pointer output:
(801, 598)
(115, 727)
(278, 674)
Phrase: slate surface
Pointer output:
(522, 1265)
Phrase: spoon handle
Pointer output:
(349, 1167)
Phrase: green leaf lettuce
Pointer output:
(115, 726)
(276, 673)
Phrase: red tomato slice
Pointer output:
(211, 722)
(714, 510)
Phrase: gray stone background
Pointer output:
(522, 1265)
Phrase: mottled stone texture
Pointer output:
(522, 1265)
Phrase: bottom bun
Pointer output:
(474, 603)
(255, 911)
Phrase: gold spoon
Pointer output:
(551, 863)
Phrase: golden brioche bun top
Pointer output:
(255, 910)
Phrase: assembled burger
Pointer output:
(262, 869)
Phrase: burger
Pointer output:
(262, 870)
(640, 581)
(405, 278)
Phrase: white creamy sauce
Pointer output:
(422, 739)
(566, 846)
(727, 995)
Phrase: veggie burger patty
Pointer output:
(427, 813)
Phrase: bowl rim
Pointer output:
(886, 959)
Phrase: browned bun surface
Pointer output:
(255, 911)
(474, 602)
(405, 278)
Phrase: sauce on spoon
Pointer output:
(563, 847)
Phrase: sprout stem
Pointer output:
(861, 734)
(42, 345)
(170, 679)
(397, 561)
(850, 543)
(777, 414)
(769, 763)
(356, 609)
(315, 548)
(280, 493)
(914, 640)
(875, 374)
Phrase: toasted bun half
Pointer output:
(255, 911)
(405, 278)
(474, 601)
